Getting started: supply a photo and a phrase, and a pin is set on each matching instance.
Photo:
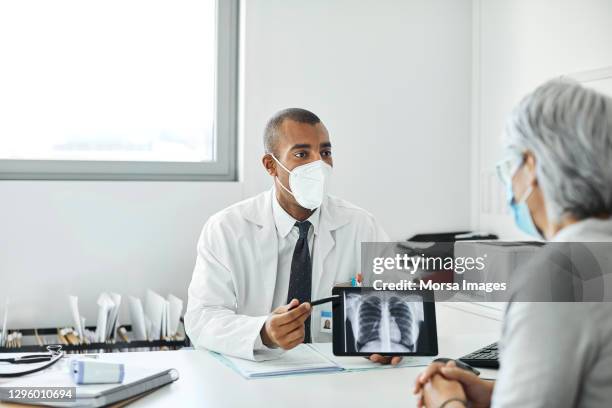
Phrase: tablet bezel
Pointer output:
(429, 311)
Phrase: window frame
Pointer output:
(222, 168)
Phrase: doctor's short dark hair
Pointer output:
(272, 131)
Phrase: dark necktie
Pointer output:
(300, 281)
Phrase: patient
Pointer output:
(559, 179)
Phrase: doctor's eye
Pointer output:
(301, 154)
(326, 153)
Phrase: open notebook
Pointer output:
(309, 358)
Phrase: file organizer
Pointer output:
(29, 336)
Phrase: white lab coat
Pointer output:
(232, 289)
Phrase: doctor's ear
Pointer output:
(269, 164)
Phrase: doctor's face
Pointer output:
(302, 143)
(298, 144)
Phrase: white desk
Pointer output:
(205, 382)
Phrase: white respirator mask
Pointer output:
(307, 182)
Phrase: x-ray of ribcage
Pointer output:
(384, 321)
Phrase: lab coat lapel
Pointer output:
(267, 261)
(324, 245)
(266, 258)
(330, 220)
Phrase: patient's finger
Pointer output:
(426, 375)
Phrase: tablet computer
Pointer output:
(391, 323)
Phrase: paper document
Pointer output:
(310, 358)
(137, 318)
(113, 316)
(155, 310)
(175, 309)
(302, 359)
(4, 332)
(76, 317)
(105, 304)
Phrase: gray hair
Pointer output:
(568, 128)
(271, 134)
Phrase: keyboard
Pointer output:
(485, 357)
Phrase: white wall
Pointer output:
(519, 44)
(392, 82)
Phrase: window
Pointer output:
(120, 89)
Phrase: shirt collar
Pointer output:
(587, 230)
(284, 222)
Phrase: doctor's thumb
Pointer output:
(291, 305)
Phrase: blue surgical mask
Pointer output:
(521, 213)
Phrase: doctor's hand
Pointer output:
(377, 358)
(285, 326)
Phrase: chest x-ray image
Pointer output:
(383, 322)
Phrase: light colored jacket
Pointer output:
(232, 289)
(558, 354)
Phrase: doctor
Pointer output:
(261, 261)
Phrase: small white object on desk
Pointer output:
(96, 372)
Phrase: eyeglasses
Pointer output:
(507, 167)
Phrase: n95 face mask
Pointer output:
(307, 182)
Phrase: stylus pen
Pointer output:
(323, 300)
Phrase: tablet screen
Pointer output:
(368, 321)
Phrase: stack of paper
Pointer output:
(4, 332)
(108, 312)
(79, 321)
(108, 317)
(138, 319)
(175, 310)
(156, 311)
(159, 319)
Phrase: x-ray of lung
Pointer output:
(382, 322)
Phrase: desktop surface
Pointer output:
(206, 382)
